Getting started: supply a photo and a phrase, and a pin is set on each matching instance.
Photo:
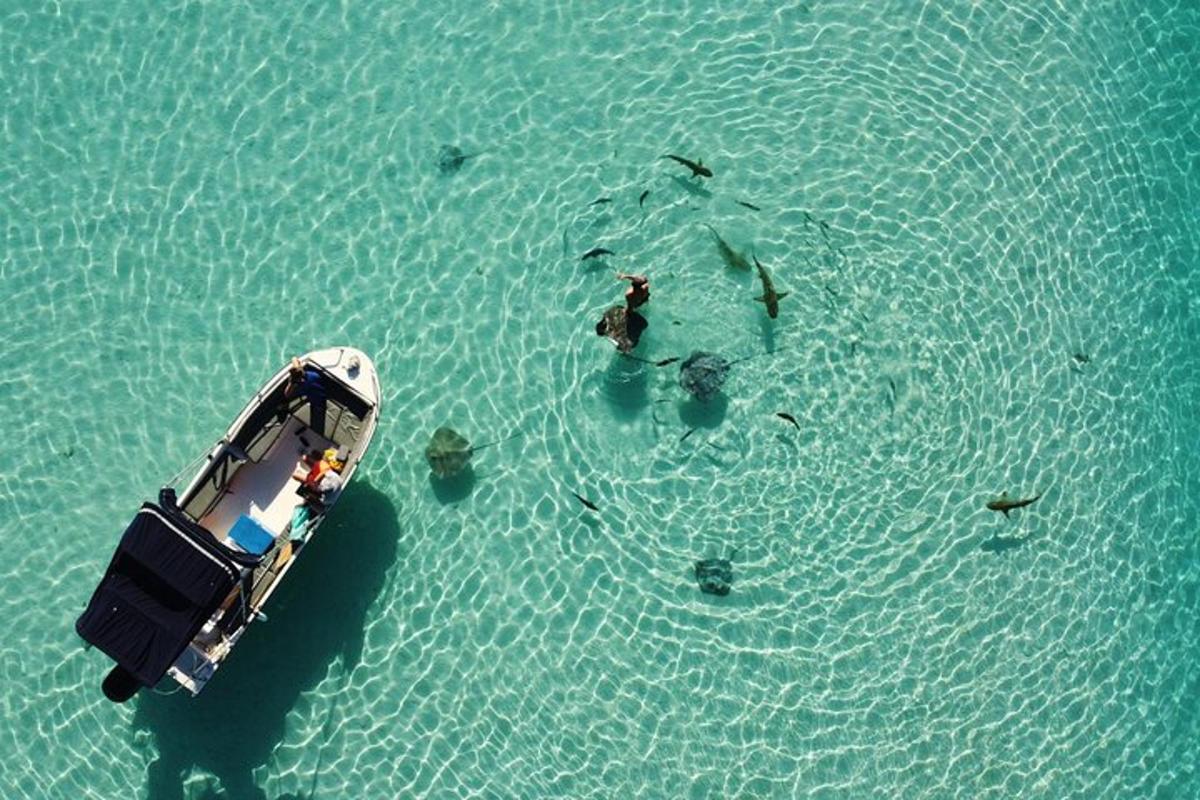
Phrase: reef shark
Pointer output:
(1005, 504)
(697, 167)
(770, 297)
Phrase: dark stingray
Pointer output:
(715, 575)
(703, 374)
(623, 326)
(450, 159)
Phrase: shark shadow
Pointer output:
(767, 326)
(692, 187)
(1002, 544)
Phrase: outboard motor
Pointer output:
(119, 685)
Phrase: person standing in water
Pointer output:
(622, 324)
(639, 289)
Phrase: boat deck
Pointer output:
(266, 490)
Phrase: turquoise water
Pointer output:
(190, 195)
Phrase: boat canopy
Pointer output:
(166, 578)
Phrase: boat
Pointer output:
(196, 568)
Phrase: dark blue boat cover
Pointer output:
(165, 580)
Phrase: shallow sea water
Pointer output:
(958, 197)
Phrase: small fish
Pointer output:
(587, 503)
(750, 206)
(686, 435)
(642, 199)
(730, 256)
(788, 417)
(601, 201)
(1082, 358)
(596, 252)
(1004, 505)
(697, 167)
(770, 298)
(664, 362)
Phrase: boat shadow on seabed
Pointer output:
(317, 614)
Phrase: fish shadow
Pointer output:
(595, 267)
(453, 488)
(317, 616)
(1002, 544)
(787, 441)
(695, 414)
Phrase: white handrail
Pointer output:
(191, 465)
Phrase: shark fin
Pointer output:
(760, 299)
(781, 295)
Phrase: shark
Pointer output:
(1005, 504)
(697, 167)
(770, 297)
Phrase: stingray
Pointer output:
(450, 159)
(449, 452)
(715, 575)
(703, 374)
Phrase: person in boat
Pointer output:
(639, 289)
(328, 485)
(317, 486)
(305, 382)
(623, 326)
(321, 465)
